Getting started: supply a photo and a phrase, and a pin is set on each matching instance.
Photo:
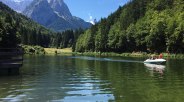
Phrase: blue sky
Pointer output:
(91, 9)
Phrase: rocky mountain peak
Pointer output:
(60, 8)
(17, 5)
(54, 14)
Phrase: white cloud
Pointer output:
(90, 17)
(91, 20)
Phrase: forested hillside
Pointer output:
(140, 25)
(17, 29)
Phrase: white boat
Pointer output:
(155, 61)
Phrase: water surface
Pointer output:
(94, 79)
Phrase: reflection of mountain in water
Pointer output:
(155, 68)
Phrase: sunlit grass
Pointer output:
(57, 51)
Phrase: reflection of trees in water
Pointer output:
(130, 82)
(10, 85)
(89, 71)
(60, 78)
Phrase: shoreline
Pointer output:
(56, 51)
(143, 55)
(34, 50)
(134, 54)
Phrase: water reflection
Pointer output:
(55, 79)
(155, 68)
(67, 79)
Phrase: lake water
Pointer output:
(94, 79)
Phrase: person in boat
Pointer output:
(152, 57)
(161, 56)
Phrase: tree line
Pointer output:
(17, 29)
(140, 25)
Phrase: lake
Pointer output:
(94, 79)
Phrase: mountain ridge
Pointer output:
(17, 5)
(54, 15)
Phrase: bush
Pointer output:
(33, 49)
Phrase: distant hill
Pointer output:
(140, 25)
(54, 14)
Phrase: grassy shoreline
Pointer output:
(134, 54)
(58, 51)
(55, 51)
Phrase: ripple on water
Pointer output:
(92, 98)
(58, 79)
(14, 98)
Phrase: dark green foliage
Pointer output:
(140, 25)
(8, 32)
(33, 49)
(65, 39)
(16, 29)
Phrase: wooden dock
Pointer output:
(11, 59)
